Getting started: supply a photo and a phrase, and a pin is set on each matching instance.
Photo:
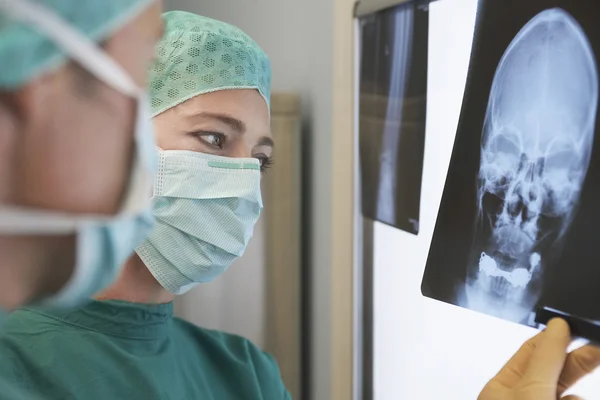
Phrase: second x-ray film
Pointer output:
(393, 100)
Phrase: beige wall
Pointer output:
(298, 35)
(342, 204)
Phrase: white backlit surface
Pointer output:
(426, 349)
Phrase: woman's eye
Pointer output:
(213, 139)
(265, 163)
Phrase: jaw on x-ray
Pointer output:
(535, 153)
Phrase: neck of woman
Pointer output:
(136, 285)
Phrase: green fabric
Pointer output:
(9, 391)
(26, 53)
(199, 55)
(118, 350)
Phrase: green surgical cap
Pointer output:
(26, 53)
(199, 55)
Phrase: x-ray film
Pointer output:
(518, 222)
(393, 92)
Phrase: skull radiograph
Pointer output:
(535, 152)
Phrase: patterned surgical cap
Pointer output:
(199, 55)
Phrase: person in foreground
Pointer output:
(542, 369)
(66, 106)
(210, 96)
(75, 169)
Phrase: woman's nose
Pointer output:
(240, 150)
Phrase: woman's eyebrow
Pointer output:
(265, 141)
(234, 123)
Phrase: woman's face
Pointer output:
(229, 123)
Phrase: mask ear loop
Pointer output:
(79, 47)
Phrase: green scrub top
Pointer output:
(112, 350)
(9, 391)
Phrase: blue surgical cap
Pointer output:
(26, 53)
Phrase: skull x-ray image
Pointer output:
(535, 153)
(518, 217)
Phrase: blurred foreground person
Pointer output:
(76, 146)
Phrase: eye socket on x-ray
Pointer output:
(560, 157)
(507, 145)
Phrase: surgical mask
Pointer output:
(103, 242)
(205, 207)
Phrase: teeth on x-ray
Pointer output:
(518, 277)
(535, 153)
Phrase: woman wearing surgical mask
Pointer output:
(76, 151)
(210, 96)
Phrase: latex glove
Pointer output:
(542, 369)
